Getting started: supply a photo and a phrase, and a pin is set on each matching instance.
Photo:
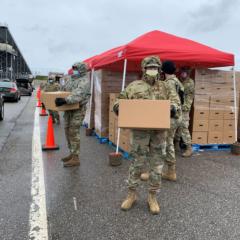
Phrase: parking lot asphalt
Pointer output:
(84, 202)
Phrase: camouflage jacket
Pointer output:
(188, 94)
(80, 90)
(140, 89)
(175, 85)
(42, 85)
(51, 87)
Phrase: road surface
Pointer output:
(84, 202)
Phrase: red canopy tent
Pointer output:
(182, 51)
(70, 71)
(89, 61)
(167, 46)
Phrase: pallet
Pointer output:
(101, 140)
(211, 147)
(125, 154)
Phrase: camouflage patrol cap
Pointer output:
(81, 67)
(151, 61)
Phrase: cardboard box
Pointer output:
(201, 101)
(229, 137)
(215, 114)
(106, 82)
(229, 114)
(215, 125)
(201, 114)
(199, 137)
(48, 99)
(215, 137)
(229, 125)
(144, 114)
(216, 101)
(200, 126)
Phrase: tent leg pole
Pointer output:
(235, 102)
(89, 127)
(123, 86)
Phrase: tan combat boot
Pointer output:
(67, 158)
(177, 147)
(188, 151)
(74, 161)
(153, 204)
(170, 173)
(130, 200)
(145, 176)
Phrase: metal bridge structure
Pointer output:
(12, 62)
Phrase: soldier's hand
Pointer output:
(173, 111)
(60, 101)
(116, 109)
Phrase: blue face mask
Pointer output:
(75, 72)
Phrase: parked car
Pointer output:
(5, 80)
(24, 86)
(9, 90)
(1, 107)
(25, 89)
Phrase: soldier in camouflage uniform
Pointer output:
(172, 82)
(147, 144)
(51, 86)
(42, 85)
(183, 131)
(79, 86)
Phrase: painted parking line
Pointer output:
(38, 213)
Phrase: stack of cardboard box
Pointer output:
(106, 82)
(124, 141)
(213, 110)
(212, 118)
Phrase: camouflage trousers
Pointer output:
(147, 147)
(183, 131)
(170, 150)
(72, 124)
(55, 115)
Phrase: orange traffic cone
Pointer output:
(50, 141)
(38, 97)
(38, 93)
(43, 112)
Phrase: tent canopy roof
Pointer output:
(183, 52)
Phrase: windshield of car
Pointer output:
(7, 84)
(23, 85)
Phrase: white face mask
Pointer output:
(75, 72)
(152, 72)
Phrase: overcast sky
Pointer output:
(53, 34)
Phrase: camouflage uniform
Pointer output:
(183, 131)
(79, 86)
(175, 85)
(148, 144)
(42, 85)
(52, 87)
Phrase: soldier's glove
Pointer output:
(173, 111)
(116, 109)
(181, 95)
(60, 101)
